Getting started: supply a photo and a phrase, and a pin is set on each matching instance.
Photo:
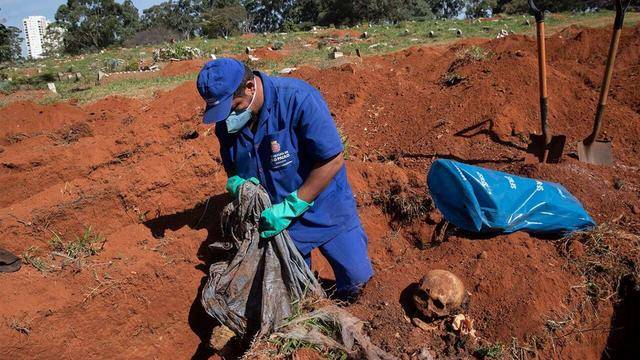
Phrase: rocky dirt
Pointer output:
(146, 175)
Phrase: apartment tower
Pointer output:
(35, 28)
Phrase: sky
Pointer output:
(13, 11)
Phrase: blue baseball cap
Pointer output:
(217, 82)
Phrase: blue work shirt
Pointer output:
(295, 131)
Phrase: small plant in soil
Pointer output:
(452, 78)
(466, 56)
(493, 351)
(277, 45)
(473, 53)
(32, 256)
(87, 244)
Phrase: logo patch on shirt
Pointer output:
(275, 147)
(279, 157)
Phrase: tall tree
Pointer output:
(521, 6)
(52, 44)
(480, 8)
(447, 8)
(267, 15)
(224, 21)
(420, 8)
(95, 24)
(130, 19)
(183, 16)
(302, 12)
(340, 12)
(9, 43)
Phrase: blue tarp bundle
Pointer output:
(489, 201)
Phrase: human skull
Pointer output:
(440, 293)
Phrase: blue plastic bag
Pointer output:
(489, 201)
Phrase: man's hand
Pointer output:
(277, 218)
(234, 183)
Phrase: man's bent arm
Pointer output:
(320, 177)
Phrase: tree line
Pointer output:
(86, 25)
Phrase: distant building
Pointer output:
(35, 28)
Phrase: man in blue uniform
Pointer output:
(278, 132)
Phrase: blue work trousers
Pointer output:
(347, 255)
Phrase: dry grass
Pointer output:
(278, 347)
(16, 137)
(87, 244)
(23, 327)
(33, 256)
(524, 351)
(603, 256)
(402, 204)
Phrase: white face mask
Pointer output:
(238, 119)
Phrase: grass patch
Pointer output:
(474, 53)
(89, 243)
(124, 87)
(464, 56)
(74, 252)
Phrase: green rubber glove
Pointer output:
(277, 218)
(234, 183)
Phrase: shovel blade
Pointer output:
(549, 153)
(597, 153)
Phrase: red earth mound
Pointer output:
(175, 68)
(266, 53)
(146, 174)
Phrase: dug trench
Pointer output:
(146, 176)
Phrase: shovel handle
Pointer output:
(537, 13)
(542, 67)
(606, 81)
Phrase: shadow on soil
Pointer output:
(486, 128)
(204, 215)
(624, 335)
(406, 300)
